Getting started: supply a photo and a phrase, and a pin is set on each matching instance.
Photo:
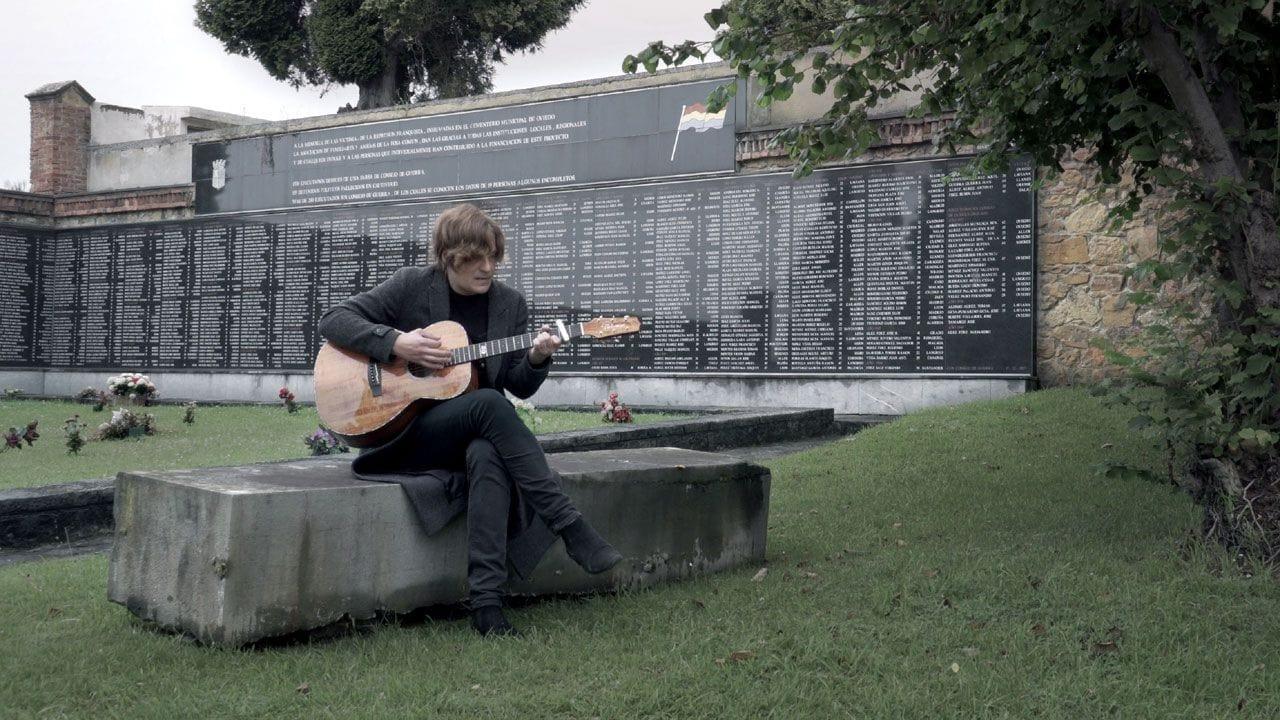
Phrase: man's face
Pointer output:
(472, 277)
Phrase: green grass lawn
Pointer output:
(959, 562)
(221, 435)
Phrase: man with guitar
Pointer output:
(509, 488)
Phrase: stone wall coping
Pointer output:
(57, 88)
(120, 108)
(593, 86)
(107, 202)
(25, 203)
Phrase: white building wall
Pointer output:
(139, 165)
(114, 124)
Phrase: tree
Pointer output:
(394, 50)
(1177, 98)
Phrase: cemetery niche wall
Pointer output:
(621, 203)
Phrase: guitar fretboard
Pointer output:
(505, 345)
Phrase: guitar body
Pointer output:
(349, 408)
(367, 404)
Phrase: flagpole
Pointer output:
(679, 126)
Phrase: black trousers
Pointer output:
(481, 432)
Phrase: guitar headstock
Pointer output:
(603, 327)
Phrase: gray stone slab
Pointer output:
(66, 512)
(234, 555)
(55, 513)
(708, 432)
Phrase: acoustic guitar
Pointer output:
(367, 403)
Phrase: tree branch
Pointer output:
(1226, 103)
(1209, 141)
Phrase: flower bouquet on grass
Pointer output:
(12, 440)
(125, 423)
(612, 410)
(323, 442)
(99, 399)
(289, 399)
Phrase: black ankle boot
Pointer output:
(489, 620)
(587, 548)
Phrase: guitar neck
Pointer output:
(502, 346)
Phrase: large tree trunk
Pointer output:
(1241, 502)
(1241, 496)
(1263, 247)
(387, 89)
(1253, 253)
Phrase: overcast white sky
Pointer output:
(149, 52)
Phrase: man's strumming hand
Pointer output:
(423, 348)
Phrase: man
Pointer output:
(510, 489)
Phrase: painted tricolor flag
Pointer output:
(695, 117)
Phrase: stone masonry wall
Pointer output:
(1081, 264)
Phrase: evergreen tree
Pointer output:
(396, 51)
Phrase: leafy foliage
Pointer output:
(1170, 97)
(394, 50)
(74, 430)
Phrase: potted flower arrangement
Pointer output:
(132, 387)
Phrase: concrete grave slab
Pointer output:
(236, 554)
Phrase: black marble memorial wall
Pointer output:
(654, 132)
(879, 270)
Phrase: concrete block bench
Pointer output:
(232, 555)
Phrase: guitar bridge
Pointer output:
(375, 378)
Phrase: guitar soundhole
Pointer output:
(417, 370)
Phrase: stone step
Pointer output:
(237, 554)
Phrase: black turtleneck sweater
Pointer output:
(472, 313)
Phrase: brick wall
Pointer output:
(60, 138)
